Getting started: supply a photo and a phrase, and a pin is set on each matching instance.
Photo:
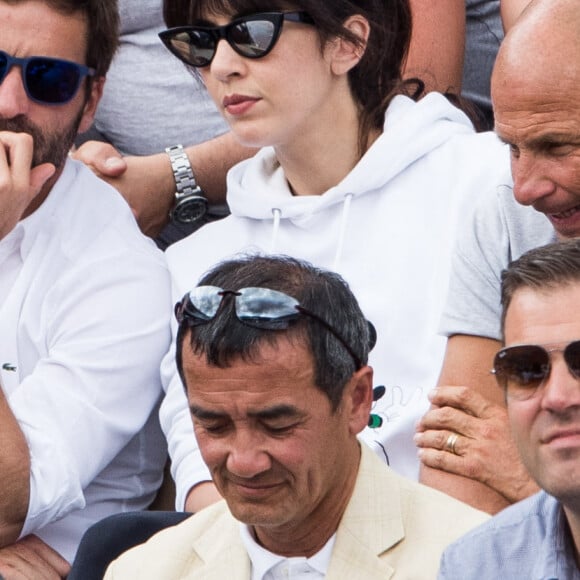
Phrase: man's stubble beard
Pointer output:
(48, 147)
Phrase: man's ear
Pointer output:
(358, 399)
(345, 54)
(90, 107)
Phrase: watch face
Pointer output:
(190, 209)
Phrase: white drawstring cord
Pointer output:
(277, 213)
(342, 230)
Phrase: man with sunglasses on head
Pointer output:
(538, 370)
(84, 299)
(273, 355)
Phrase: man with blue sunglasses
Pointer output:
(273, 354)
(84, 299)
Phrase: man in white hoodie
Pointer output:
(384, 220)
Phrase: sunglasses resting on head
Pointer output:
(267, 309)
(521, 369)
(47, 81)
(252, 36)
(257, 307)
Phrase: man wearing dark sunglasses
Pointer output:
(78, 366)
(273, 353)
(538, 371)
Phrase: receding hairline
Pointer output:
(546, 32)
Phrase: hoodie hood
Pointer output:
(257, 187)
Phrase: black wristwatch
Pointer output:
(190, 202)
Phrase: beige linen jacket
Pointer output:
(393, 528)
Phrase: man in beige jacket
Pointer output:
(273, 353)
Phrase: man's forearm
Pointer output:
(14, 475)
(148, 183)
(211, 160)
(202, 495)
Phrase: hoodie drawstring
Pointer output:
(277, 213)
(342, 230)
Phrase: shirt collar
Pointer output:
(263, 560)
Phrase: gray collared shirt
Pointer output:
(528, 540)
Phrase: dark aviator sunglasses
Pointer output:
(258, 307)
(48, 81)
(521, 369)
(252, 36)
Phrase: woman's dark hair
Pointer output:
(374, 80)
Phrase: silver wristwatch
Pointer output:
(190, 203)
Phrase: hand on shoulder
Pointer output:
(466, 434)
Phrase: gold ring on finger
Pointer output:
(451, 442)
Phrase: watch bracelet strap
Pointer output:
(185, 182)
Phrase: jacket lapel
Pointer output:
(231, 562)
(372, 524)
(357, 561)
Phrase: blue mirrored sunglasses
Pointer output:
(48, 81)
(258, 307)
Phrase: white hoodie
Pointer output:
(387, 228)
